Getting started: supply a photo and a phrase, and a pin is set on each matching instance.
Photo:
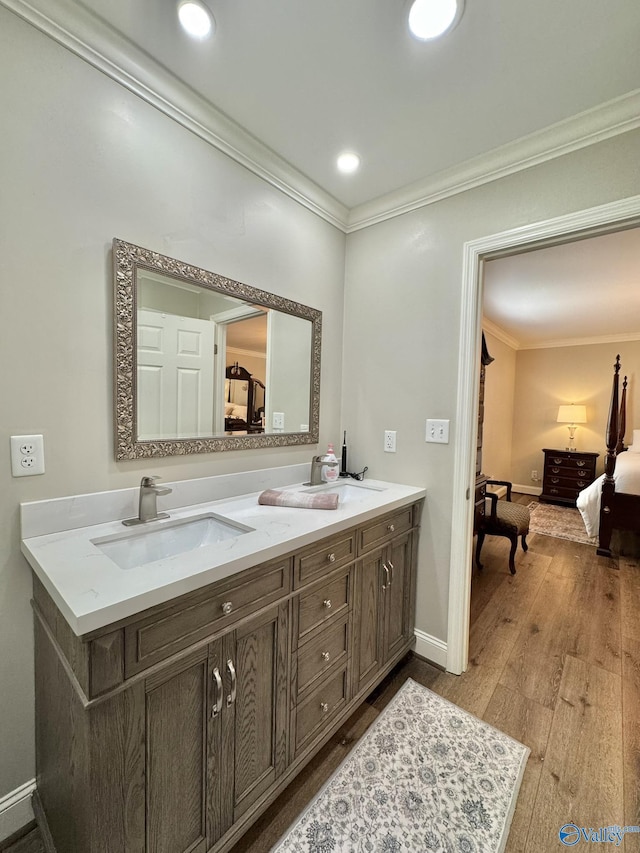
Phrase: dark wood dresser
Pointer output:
(566, 472)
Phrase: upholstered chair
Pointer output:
(505, 519)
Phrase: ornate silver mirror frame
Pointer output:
(127, 260)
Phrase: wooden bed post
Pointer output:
(608, 485)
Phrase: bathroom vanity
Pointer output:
(170, 717)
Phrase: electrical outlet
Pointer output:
(278, 420)
(389, 441)
(27, 455)
(534, 475)
(437, 431)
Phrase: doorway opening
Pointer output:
(587, 223)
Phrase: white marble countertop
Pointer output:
(92, 591)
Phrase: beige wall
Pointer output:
(402, 316)
(547, 378)
(83, 161)
(499, 389)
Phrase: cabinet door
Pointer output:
(397, 618)
(368, 619)
(254, 745)
(175, 757)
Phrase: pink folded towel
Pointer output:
(307, 500)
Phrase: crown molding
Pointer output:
(607, 120)
(89, 37)
(499, 333)
(584, 342)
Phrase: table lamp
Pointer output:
(572, 415)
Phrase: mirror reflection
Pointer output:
(218, 364)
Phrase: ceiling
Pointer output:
(587, 291)
(307, 80)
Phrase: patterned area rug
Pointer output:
(564, 522)
(426, 776)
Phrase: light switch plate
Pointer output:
(437, 431)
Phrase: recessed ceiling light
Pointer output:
(348, 162)
(429, 19)
(195, 18)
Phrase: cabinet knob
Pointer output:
(325, 655)
(227, 607)
(324, 707)
(331, 558)
(391, 528)
(327, 603)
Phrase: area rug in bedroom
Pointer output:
(426, 776)
(564, 522)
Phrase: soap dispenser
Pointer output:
(329, 472)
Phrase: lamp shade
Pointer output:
(572, 414)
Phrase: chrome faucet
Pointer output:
(147, 507)
(316, 470)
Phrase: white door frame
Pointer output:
(583, 223)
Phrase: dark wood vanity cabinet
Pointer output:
(172, 731)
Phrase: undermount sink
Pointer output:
(346, 491)
(168, 539)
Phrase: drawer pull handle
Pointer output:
(391, 528)
(558, 461)
(556, 470)
(331, 558)
(582, 473)
(390, 564)
(325, 655)
(327, 603)
(231, 698)
(386, 571)
(555, 479)
(581, 463)
(553, 491)
(324, 707)
(606, 509)
(227, 607)
(217, 703)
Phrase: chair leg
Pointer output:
(479, 543)
(512, 553)
(525, 547)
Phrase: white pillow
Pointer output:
(635, 447)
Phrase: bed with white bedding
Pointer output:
(612, 502)
(627, 480)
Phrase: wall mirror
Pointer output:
(204, 363)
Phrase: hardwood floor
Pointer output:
(555, 663)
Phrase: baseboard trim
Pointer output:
(431, 648)
(527, 490)
(16, 810)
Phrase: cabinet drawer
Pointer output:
(574, 475)
(559, 493)
(322, 558)
(324, 602)
(317, 711)
(552, 480)
(382, 530)
(322, 653)
(166, 632)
